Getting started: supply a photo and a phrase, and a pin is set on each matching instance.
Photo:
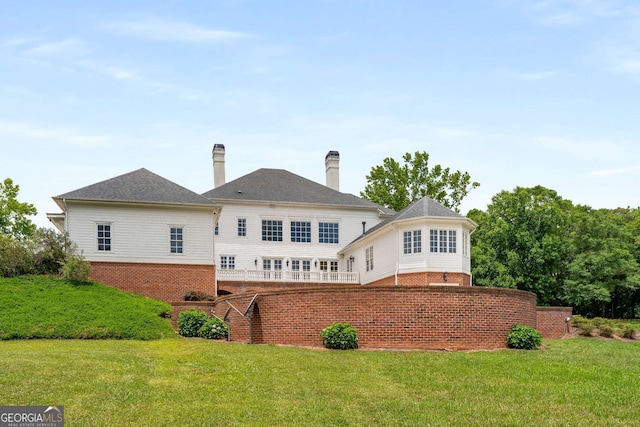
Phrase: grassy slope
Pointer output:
(46, 307)
(193, 382)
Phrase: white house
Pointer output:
(270, 227)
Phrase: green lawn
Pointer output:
(48, 307)
(194, 382)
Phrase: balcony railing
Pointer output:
(287, 276)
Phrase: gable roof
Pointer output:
(278, 185)
(141, 186)
(425, 207)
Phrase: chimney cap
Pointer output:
(218, 147)
(333, 154)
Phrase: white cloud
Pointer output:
(615, 171)
(158, 29)
(64, 48)
(71, 137)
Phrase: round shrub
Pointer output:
(190, 321)
(339, 336)
(586, 328)
(213, 329)
(628, 331)
(606, 331)
(524, 337)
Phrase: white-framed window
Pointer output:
(328, 232)
(443, 241)
(103, 233)
(368, 256)
(216, 230)
(412, 241)
(331, 266)
(301, 231)
(176, 240)
(271, 230)
(227, 262)
(242, 227)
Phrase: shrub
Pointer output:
(606, 330)
(339, 336)
(586, 328)
(213, 329)
(76, 268)
(577, 320)
(524, 337)
(628, 331)
(198, 296)
(599, 322)
(190, 321)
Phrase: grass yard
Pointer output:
(194, 382)
(49, 307)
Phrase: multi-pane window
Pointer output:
(266, 264)
(443, 241)
(227, 262)
(104, 237)
(412, 241)
(271, 230)
(301, 231)
(242, 227)
(329, 266)
(368, 255)
(176, 240)
(328, 232)
(216, 230)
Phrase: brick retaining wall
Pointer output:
(166, 282)
(455, 318)
(551, 321)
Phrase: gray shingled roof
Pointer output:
(140, 186)
(278, 185)
(425, 207)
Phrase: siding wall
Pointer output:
(141, 233)
(247, 249)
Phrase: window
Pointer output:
(443, 241)
(176, 240)
(104, 237)
(215, 231)
(227, 262)
(271, 230)
(242, 227)
(326, 265)
(328, 232)
(301, 231)
(266, 264)
(368, 255)
(412, 241)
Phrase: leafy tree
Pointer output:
(14, 215)
(396, 186)
(523, 239)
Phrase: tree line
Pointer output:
(531, 238)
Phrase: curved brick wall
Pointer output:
(551, 321)
(455, 318)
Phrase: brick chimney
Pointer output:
(218, 165)
(332, 169)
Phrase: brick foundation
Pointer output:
(166, 282)
(455, 318)
(551, 321)
(424, 279)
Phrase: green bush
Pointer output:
(586, 328)
(524, 337)
(606, 330)
(213, 329)
(577, 320)
(190, 321)
(76, 268)
(339, 336)
(599, 322)
(198, 296)
(628, 331)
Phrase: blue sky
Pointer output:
(516, 92)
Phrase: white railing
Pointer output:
(287, 276)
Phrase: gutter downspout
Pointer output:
(66, 216)
(397, 254)
(470, 272)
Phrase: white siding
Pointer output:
(140, 233)
(250, 248)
